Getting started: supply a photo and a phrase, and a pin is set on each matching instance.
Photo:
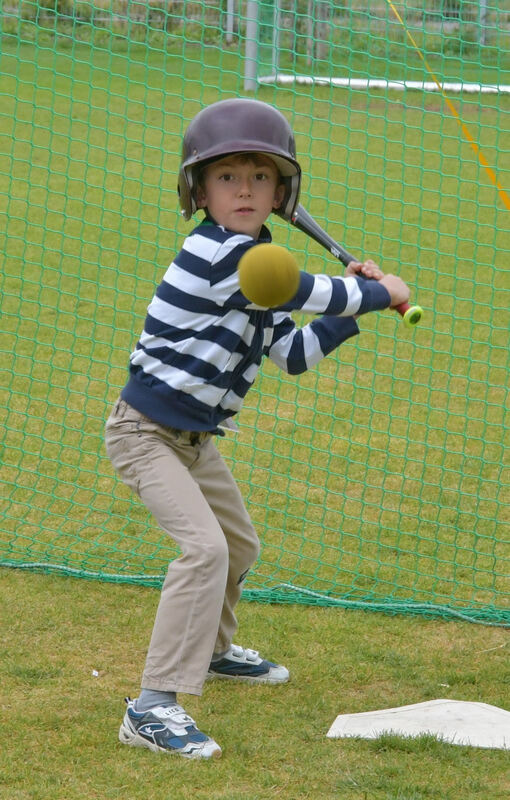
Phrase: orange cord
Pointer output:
(465, 130)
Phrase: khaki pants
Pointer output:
(183, 481)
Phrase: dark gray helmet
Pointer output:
(239, 125)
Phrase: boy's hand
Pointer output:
(398, 290)
(367, 269)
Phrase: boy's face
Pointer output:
(240, 192)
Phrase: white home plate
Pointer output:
(453, 721)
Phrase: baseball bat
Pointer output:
(304, 221)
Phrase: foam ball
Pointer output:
(268, 275)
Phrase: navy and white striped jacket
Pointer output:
(203, 341)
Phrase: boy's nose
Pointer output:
(245, 186)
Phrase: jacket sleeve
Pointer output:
(296, 349)
(317, 293)
(323, 294)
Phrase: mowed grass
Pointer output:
(62, 720)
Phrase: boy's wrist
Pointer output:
(375, 296)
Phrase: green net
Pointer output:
(379, 479)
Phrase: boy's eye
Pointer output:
(228, 177)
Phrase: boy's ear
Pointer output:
(279, 195)
(200, 198)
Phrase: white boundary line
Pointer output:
(380, 83)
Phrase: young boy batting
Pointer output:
(196, 358)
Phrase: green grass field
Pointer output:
(62, 721)
(390, 454)
(380, 478)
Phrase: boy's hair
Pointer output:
(238, 126)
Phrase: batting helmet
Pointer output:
(239, 125)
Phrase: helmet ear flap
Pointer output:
(188, 184)
(184, 190)
(290, 198)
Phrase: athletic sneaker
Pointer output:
(239, 664)
(166, 729)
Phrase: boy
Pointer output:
(196, 358)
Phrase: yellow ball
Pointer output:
(268, 275)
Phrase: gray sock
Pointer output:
(149, 698)
(218, 656)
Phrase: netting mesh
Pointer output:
(379, 479)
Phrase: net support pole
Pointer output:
(276, 36)
(482, 26)
(251, 46)
(229, 28)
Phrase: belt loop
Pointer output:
(120, 408)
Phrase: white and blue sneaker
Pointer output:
(238, 664)
(166, 729)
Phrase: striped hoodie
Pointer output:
(203, 341)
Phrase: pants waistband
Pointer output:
(194, 437)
